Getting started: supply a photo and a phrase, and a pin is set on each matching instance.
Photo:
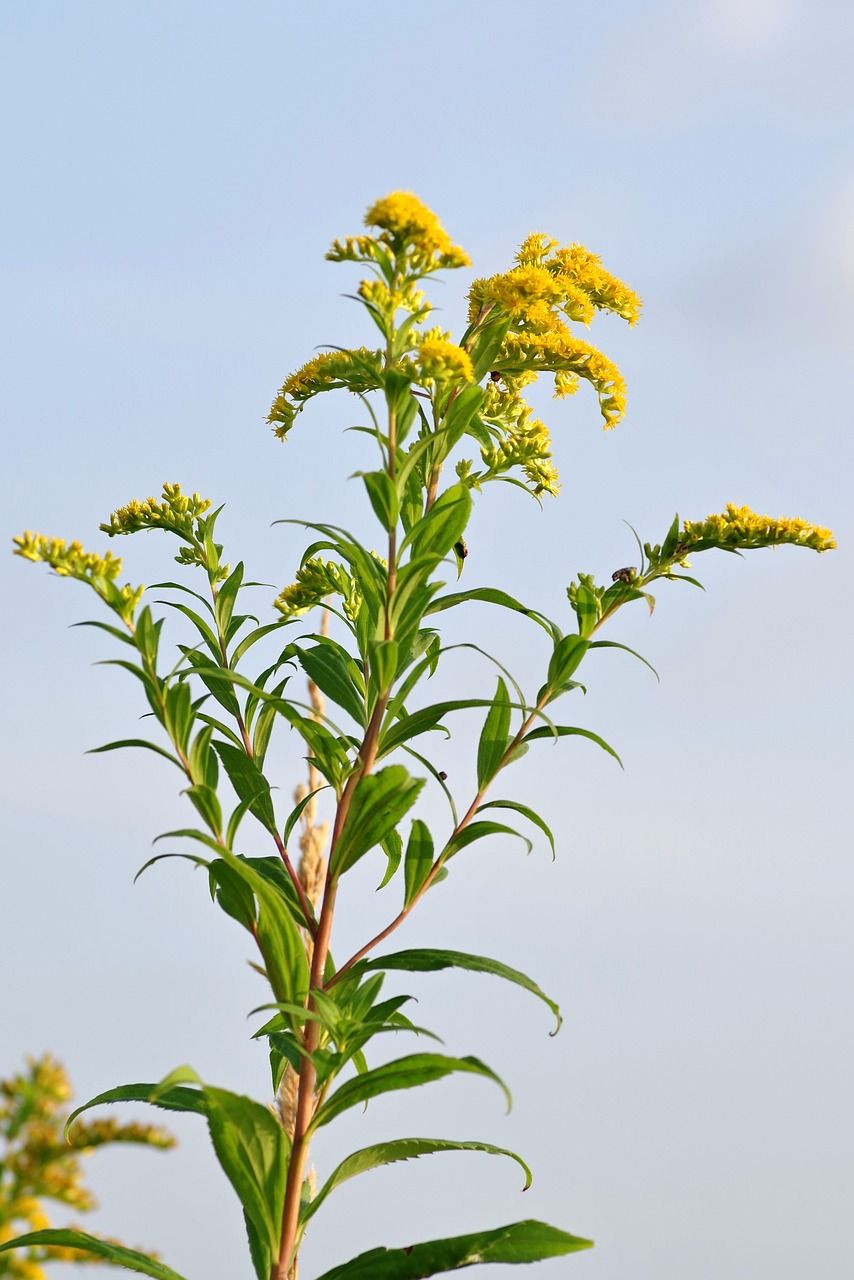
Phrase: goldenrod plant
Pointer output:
(444, 420)
(40, 1169)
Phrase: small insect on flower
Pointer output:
(624, 575)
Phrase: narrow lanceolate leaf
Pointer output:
(528, 1241)
(429, 960)
(253, 1150)
(278, 934)
(117, 1254)
(566, 731)
(403, 1073)
(418, 860)
(444, 524)
(401, 1149)
(379, 803)
(250, 1144)
(135, 742)
(526, 812)
(175, 1098)
(494, 736)
(615, 644)
(249, 783)
(328, 669)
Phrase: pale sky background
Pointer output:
(173, 175)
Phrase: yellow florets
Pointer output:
(548, 287)
(69, 560)
(358, 370)
(37, 1164)
(317, 579)
(407, 227)
(739, 528)
(175, 511)
(409, 222)
(438, 359)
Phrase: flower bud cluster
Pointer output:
(315, 580)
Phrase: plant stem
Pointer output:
(306, 1101)
(443, 856)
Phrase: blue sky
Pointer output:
(174, 174)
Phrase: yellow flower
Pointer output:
(407, 227)
(739, 528)
(176, 511)
(357, 370)
(437, 359)
(409, 222)
(317, 579)
(69, 560)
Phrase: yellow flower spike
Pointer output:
(175, 511)
(357, 370)
(741, 529)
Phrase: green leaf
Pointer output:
(528, 1241)
(429, 960)
(117, 1254)
(392, 847)
(296, 813)
(418, 861)
(249, 783)
(459, 415)
(566, 731)
(477, 831)
(383, 497)
(526, 813)
(379, 803)
(587, 609)
(487, 339)
(566, 659)
(278, 933)
(423, 720)
(614, 644)
(384, 659)
(444, 524)
(250, 1144)
(491, 595)
(135, 742)
(494, 736)
(199, 623)
(403, 1073)
(206, 803)
(226, 597)
(327, 667)
(174, 1098)
(401, 1149)
(253, 1150)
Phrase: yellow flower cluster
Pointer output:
(317, 579)
(576, 265)
(438, 359)
(36, 1163)
(549, 286)
(740, 529)
(406, 226)
(69, 560)
(358, 370)
(175, 511)
(560, 352)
